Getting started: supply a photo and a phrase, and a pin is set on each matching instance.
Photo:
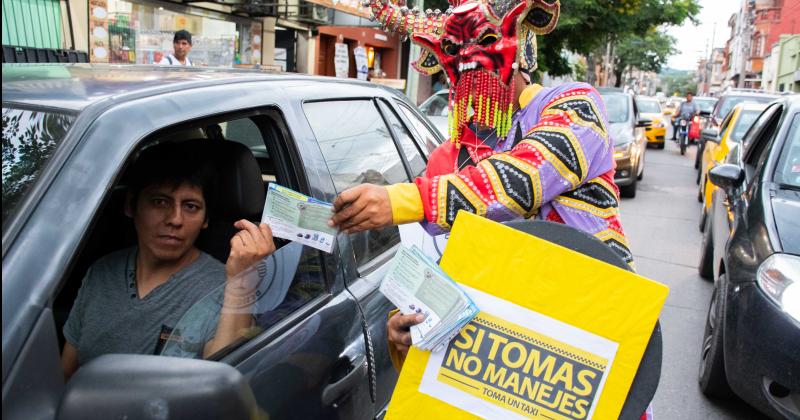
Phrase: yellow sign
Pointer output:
(560, 335)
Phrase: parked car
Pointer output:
(726, 102)
(751, 246)
(626, 130)
(71, 132)
(733, 129)
(650, 108)
(436, 109)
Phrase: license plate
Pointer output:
(683, 123)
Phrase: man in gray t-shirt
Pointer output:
(132, 300)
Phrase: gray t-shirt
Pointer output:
(109, 317)
(688, 109)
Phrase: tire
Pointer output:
(700, 190)
(683, 148)
(641, 174)
(699, 172)
(661, 145)
(711, 377)
(628, 191)
(706, 266)
(703, 217)
(701, 146)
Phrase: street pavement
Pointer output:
(661, 225)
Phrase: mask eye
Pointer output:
(449, 47)
(487, 39)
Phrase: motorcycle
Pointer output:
(683, 132)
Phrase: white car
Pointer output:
(436, 109)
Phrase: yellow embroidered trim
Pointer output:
(554, 160)
(574, 117)
(528, 94)
(461, 186)
(499, 190)
(582, 205)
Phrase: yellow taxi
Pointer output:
(731, 132)
(672, 105)
(650, 109)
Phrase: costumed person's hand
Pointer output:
(248, 246)
(363, 207)
(398, 330)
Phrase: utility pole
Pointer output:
(747, 33)
(412, 84)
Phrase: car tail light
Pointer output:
(779, 277)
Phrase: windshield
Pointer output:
(746, 119)
(29, 139)
(617, 108)
(730, 101)
(705, 104)
(788, 170)
(647, 106)
(435, 106)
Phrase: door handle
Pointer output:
(336, 390)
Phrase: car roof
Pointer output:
(74, 87)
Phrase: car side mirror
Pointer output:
(644, 123)
(710, 134)
(727, 177)
(143, 386)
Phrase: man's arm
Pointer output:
(69, 360)
(568, 147)
(248, 247)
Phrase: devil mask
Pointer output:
(478, 44)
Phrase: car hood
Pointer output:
(620, 133)
(785, 208)
(651, 116)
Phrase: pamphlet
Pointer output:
(297, 217)
(415, 284)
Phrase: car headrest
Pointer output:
(240, 189)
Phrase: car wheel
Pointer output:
(703, 217)
(700, 189)
(706, 266)
(641, 174)
(697, 178)
(662, 144)
(712, 378)
(628, 191)
(700, 146)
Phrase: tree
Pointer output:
(646, 53)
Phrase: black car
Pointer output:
(627, 132)
(751, 247)
(70, 134)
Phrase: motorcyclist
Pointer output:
(686, 111)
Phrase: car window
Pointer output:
(743, 123)
(435, 106)
(788, 170)
(29, 140)
(431, 140)
(760, 139)
(358, 148)
(725, 123)
(279, 285)
(413, 156)
(705, 105)
(728, 102)
(192, 304)
(647, 106)
(617, 108)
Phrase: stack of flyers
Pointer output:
(415, 284)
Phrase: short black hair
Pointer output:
(173, 164)
(182, 34)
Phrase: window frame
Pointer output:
(273, 127)
(424, 120)
(373, 264)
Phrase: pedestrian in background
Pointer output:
(181, 45)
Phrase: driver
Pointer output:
(131, 300)
(516, 149)
(686, 111)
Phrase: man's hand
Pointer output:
(398, 330)
(363, 207)
(248, 246)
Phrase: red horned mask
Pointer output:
(478, 44)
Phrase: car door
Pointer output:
(730, 207)
(373, 146)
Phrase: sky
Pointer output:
(695, 41)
